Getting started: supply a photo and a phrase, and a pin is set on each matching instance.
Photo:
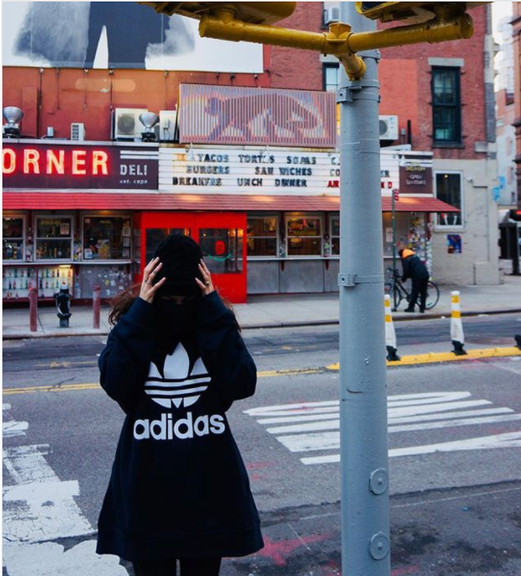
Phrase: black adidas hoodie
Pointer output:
(179, 488)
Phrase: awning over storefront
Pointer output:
(203, 202)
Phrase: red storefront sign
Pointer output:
(43, 166)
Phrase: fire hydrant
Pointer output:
(63, 305)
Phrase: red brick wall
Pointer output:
(299, 69)
(73, 96)
(472, 86)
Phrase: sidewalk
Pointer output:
(279, 310)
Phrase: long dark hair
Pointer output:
(122, 302)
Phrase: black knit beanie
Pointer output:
(180, 256)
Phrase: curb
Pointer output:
(297, 324)
(439, 357)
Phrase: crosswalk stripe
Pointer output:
(508, 440)
(315, 426)
(393, 422)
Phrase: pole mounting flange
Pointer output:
(351, 280)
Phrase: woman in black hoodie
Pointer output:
(175, 362)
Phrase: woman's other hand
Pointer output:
(148, 288)
(207, 285)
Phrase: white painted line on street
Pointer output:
(331, 440)
(434, 408)
(38, 507)
(393, 422)
(450, 415)
(314, 426)
(51, 559)
(13, 428)
(509, 440)
(29, 464)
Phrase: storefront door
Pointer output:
(220, 235)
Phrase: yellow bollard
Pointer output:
(456, 326)
(390, 334)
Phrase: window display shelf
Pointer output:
(18, 280)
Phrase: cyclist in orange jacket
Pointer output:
(416, 270)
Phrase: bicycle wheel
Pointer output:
(433, 295)
(396, 297)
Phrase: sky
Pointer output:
(500, 9)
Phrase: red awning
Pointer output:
(202, 202)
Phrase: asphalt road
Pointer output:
(455, 439)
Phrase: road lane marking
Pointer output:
(397, 420)
(39, 507)
(314, 426)
(13, 428)
(96, 386)
(331, 440)
(508, 440)
(393, 422)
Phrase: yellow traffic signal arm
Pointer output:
(238, 21)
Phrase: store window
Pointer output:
(304, 236)
(156, 235)
(334, 234)
(107, 238)
(261, 233)
(53, 238)
(446, 106)
(13, 238)
(222, 249)
(448, 189)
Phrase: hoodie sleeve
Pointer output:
(125, 359)
(224, 352)
(406, 264)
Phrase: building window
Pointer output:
(262, 236)
(304, 236)
(107, 237)
(222, 249)
(448, 190)
(331, 77)
(53, 238)
(334, 223)
(13, 238)
(446, 106)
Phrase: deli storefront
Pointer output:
(267, 219)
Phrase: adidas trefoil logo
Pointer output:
(178, 386)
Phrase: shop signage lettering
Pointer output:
(415, 178)
(266, 171)
(54, 166)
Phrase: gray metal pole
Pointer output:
(363, 401)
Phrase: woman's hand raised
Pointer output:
(148, 288)
(207, 284)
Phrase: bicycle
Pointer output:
(398, 292)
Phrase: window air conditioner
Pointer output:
(78, 131)
(388, 127)
(126, 124)
(167, 127)
(331, 14)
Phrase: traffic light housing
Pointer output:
(249, 12)
(411, 11)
